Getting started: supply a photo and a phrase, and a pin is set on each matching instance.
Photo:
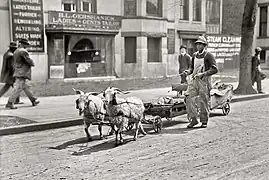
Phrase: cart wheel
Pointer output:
(157, 124)
(226, 108)
(129, 126)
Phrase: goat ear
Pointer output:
(78, 91)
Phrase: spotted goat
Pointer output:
(123, 111)
(93, 110)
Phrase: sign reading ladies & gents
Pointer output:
(83, 21)
(27, 22)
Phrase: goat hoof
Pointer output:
(101, 137)
(89, 139)
(134, 139)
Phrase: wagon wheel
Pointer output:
(157, 124)
(226, 108)
(129, 126)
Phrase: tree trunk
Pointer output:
(247, 32)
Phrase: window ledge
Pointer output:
(262, 37)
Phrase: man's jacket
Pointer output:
(7, 68)
(22, 64)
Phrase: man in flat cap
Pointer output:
(8, 70)
(203, 66)
(22, 72)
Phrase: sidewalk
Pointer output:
(60, 111)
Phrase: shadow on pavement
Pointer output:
(7, 121)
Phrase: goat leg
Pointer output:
(141, 128)
(136, 131)
(121, 139)
(100, 131)
(116, 140)
(86, 126)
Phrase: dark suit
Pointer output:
(22, 71)
(184, 62)
(7, 72)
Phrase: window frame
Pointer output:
(263, 22)
(127, 60)
(213, 11)
(159, 10)
(154, 51)
(73, 7)
(195, 16)
(184, 10)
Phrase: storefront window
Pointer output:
(190, 43)
(154, 49)
(88, 56)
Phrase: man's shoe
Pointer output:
(204, 125)
(10, 105)
(35, 102)
(193, 123)
(261, 92)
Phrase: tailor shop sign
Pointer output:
(27, 22)
(83, 21)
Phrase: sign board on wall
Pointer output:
(56, 72)
(171, 41)
(27, 22)
(83, 21)
(224, 47)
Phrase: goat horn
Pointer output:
(78, 91)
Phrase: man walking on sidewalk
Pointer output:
(8, 70)
(203, 66)
(22, 71)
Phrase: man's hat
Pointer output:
(201, 39)
(183, 46)
(13, 44)
(24, 41)
(258, 49)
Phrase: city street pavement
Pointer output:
(60, 111)
(231, 147)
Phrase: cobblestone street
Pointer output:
(232, 147)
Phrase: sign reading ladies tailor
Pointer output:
(27, 22)
(83, 21)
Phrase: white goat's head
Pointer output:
(83, 100)
(110, 95)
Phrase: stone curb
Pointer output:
(73, 122)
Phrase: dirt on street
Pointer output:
(232, 147)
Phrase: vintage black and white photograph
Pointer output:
(134, 89)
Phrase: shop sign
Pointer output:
(224, 47)
(83, 21)
(27, 22)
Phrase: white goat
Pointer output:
(93, 109)
(122, 111)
